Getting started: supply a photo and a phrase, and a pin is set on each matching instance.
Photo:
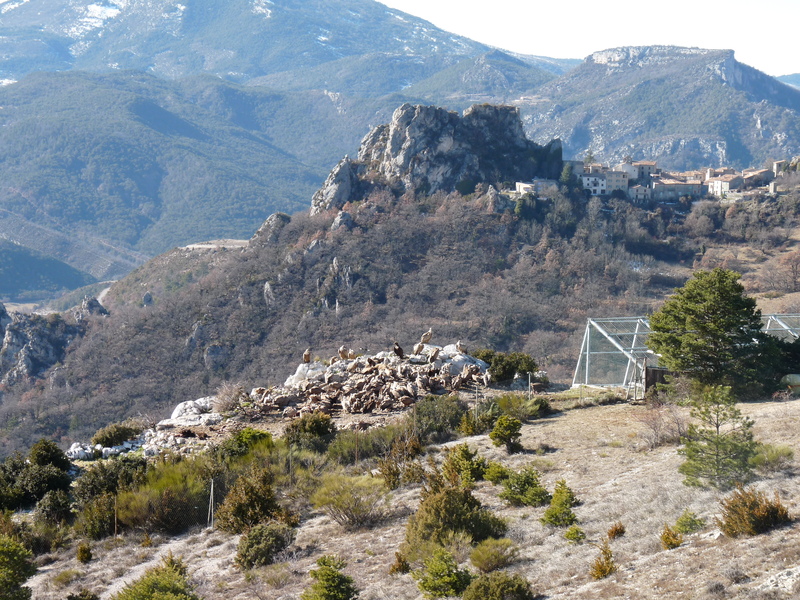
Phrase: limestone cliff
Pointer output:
(428, 149)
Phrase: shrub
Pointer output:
(506, 433)
(84, 553)
(525, 489)
(352, 502)
(450, 510)
(499, 586)
(575, 534)
(34, 481)
(772, 459)
(520, 407)
(396, 468)
(503, 367)
(54, 507)
(689, 522)
(46, 452)
(400, 565)
(670, 538)
(750, 512)
(329, 582)
(96, 519)
(109, 477)
(242, 442)
(168, 580)
(481, 420)
(493, 554)
(229, 396)
(312, 431)
(435, 419)
(441, 576)
(463, 464)
(16, 566)
(603, 565)
(259, 546)
(173, 499)
(117, 433)
(350, 445)
(496, 472)
(559, 513)
(250, 501)
(617, 530)
(84, 594)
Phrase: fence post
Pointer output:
(210, 519)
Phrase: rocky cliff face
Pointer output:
(31, 344)
(428, 149)
(683, 107)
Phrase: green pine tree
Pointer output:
(719, 446)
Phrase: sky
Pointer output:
(761, 33)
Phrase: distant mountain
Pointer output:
(236, 39)
(793, 80)
(25, 272)
(685, 107)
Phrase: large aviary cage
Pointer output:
(614, 351)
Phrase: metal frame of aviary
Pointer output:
(614, 351)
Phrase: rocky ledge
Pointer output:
(387, 382)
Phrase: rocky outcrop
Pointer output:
(384, 382)
(268, 232)
(428, 149)
(32, 344)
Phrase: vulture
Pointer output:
(426, 337)
(307, 355)
(460, 347)
(434, 355)
(418, 348)
(398, 350)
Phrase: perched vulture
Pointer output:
(307, 355)
(398, 350)
(426, 337)
(418, 348)
(460, 347)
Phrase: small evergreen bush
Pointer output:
(506, 433)
(559, 513)
(168, 581)
(670, 538)
(463, 464)
(499, 585)
(493, 553)
(54, 507)
(496, 472)
(16, 566)
(329, 582)
(312, 431)
(447, 511)
(603, 565)
(84, 552)
(441, 576)
(96, 519)
(249, 502)
(617, 530)
(117, 433)
(46, 452)
(575, 534)
(524, 488)
(435, 419)
(400, 565)
(259, 546)
(242, 442)
(84, 594)
(353, 502)
(688, 523)
(750, 512)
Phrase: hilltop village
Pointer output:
(643, 181)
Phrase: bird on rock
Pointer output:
(398, 350)
(460, 347)
(419, 348)
(307, 355)
(426, 337)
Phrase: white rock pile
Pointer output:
(383, 382)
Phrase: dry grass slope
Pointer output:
(598, 450)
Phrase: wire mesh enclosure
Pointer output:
(614, 351)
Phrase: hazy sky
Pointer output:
(761, 33)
